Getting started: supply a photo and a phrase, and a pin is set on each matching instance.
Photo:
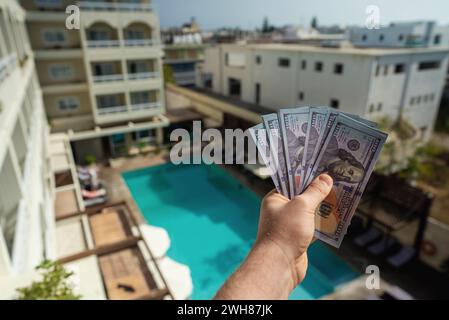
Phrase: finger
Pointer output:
(317, 191)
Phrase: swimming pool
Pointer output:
(212, 222)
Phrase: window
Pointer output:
(338, 68)
(364, 37)
(301, 95)
(401, 37)
(108, 101)
(140, 97)
(303, 64)
(54, 37)
(134, 34)
(61, 71)
(258, 60)
(377, 70)
(284, 62)
(399, 68)
(68, 104)
(257, 93)
(428, 65)
(412, 101)
(432, 96)
(379, 106)
(425, 98)
(53, 4)
(418, 100)
(144, 135)
(371, 108)
(381, 38)
(318, 66)
(335, 103)
(385, 70)
(437, 39)
(98, 35)
(235, 87)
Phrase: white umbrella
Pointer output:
(157, 239)
(178, 278)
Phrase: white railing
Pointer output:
(103, 43)
(143, 75)
(140, 42)
(5, 63)
(112, 110)
(145, 106)
(113, 6)
(108, 78)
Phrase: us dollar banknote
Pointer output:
(348, 155)
(259, 135)
(271, 124)
(294, 127)
(318, 117)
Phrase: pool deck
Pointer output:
(418, 279)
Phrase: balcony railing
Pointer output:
(5, 64)
(145, 106)
(140, 42)
(112, 110)
(103, 43)
(110, 6)
(108, 78)
(143, 75)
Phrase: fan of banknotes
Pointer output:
(298, 144)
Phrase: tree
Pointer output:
(266, 28)
(314, 23)
(53, 286)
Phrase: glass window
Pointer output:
(61, 71)
(318, 66)
(68, 104)
(284, 62)
(338, 68)
(54, 37)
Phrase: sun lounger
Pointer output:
(402, 257)
(93, 194)
(367, 237)
(382, 245)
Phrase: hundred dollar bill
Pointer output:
(294, 127)
(318, 117)
(259, 136)
(271, 124)
(363, 120)
(348, 155)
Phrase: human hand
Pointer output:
(288, 225)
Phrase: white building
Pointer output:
(26, 184)
(373, 83)
(401, 35)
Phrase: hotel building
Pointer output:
(101, 83)
(26, 183)
(373, 83)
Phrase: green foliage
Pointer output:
(266, 27)
(90, 159)
(426, 166)
(53, 286)
(168, 74)
(314, 23)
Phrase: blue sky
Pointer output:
(249, 13)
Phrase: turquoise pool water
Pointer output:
(212, 222)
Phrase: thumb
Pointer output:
(317, 191)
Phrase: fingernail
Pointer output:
(326, 179)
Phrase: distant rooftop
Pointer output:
(346, 49)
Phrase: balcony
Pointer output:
(143, 75)
(140, 42)
(113, 6)
(108, 78)
(145, 106)
(103, 43)
(112, 110)
(5, 64)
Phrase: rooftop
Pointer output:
(338, 50)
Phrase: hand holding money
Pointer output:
(299, 144)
